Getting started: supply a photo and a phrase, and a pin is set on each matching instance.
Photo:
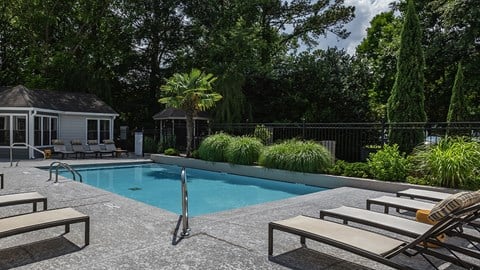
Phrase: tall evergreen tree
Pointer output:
(406, 102)
(457, 111)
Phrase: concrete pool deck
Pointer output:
(126, 234)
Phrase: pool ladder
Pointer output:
(65, 166)
(185, 228)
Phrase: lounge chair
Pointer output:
(396, 224)
(110, 146)
(414, 193)
(24, 198)
(399, 203)
(60, 148)
(14, 225)
(79, 148)
(99, 151)
(371, 245)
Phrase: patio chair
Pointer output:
(24, 198)
(399, 203)
(60, 148)
(414, 193)
(95, 147)
(79, 148)
(110, 146)
(19, 224)
(372, 245)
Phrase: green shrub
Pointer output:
(355, 169)
(296, 155)
(171, 152)
(195, 154)
(149, 145)
(213, 147)
(243, 150)
(388, 164)
(263, 134)
(453, 162)
(166, 141)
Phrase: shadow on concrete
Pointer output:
(37, 251)
(305, 258)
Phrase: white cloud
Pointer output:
(365, 10)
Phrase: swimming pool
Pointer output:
(208, 192)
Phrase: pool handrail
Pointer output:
(65, 166)
(185, 228)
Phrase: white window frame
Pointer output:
(12, 125)
(42, 128)
(98, 120)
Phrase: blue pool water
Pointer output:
(159, 185)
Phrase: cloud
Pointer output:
(365, 10)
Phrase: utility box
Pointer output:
(139, 143)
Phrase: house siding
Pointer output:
(72, 127)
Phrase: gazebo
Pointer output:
(173, 127)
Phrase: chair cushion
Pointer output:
(57, 142)
(108, 142)
(452, 203)
(76, 142)
(90, 142)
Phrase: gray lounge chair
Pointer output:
(399, 203)
(79, 148)
(93, 145)
(14, 225)
(414, 193)
(24, 198)
(369, 244)
(60, 148)
(110, 146)
(396, 224)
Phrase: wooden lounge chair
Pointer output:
(110, 146)
(79, 149)
(371, 245)
(60, 148)
(24, 198)
(14, 225)
(414, 193)
(93, 145)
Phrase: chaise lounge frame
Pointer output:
(334, 234)
(24, 198)
(24, 223)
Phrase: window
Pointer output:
(45, 130)
(13, 129)
(4, 130)
(98, 129)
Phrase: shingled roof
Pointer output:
(22, 97)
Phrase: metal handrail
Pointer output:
(26, 145)
(65, 166)
(183, 178)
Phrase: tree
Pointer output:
(406, 102)
(457, 111)
(190, 92)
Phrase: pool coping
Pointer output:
(320, 180)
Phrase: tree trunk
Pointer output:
(189, 120)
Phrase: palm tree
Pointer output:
(192, 93)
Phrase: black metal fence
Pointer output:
(349, 141)
(352, 141)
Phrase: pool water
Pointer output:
(208, 192)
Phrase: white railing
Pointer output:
(15, 145)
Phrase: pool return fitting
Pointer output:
(185, 228)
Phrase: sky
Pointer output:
(365, 10)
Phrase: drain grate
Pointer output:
(134, 188)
